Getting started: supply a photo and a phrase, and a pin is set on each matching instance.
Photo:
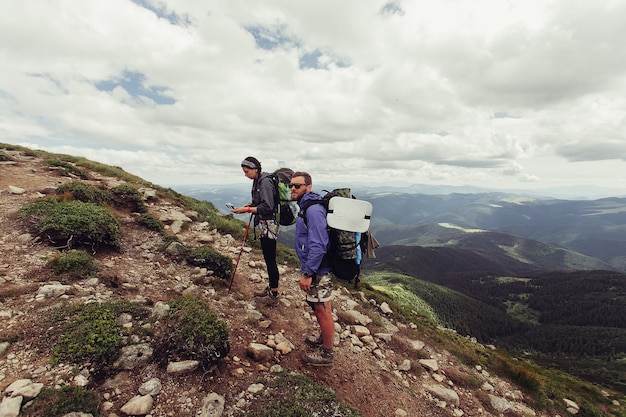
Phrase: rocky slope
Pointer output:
(383, 367)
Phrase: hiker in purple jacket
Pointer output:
(312, 242)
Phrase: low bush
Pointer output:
(127, 196)
(4, 157)
(298, 395)
(91, 332)
(67, 168)
(151, 222)
(74, 223)
(53, 402)
(87, 193)
(206, 256)
(72, 265)
(192, 331)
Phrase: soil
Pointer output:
(373, 386)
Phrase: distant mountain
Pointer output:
(596, 228)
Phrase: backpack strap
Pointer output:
(303, 209)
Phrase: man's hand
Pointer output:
(305, 283)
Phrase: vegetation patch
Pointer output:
(58, 402)
(4, 157)
(72, 224)
(87, 193)
(206, 256)
(192, 331)
(128, 197)
(91, 332)
(72, 265)
(291, 395)
(149, 221)
(67, 168)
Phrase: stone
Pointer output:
(445, 394)
(430, 364)
(213, 405)
(139, 405)
(10, 406)
(260, 352)
(151, 387)
(182, 367)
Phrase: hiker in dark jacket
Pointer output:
(312, 242)
(263, 208)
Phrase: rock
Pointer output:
(53, 290)
(405, 365)
(430, 364)
(134, 356)
(182, 367)
(445, 394)
(151, 387)
(385, 309)
(213, 405)
(360, 331)
(416, 344)
(139, 405)
(10, 406)
(16, 190)
(260, 352)
(572, 407)
(356, 317)
(24, 388)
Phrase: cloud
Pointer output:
(445, 91)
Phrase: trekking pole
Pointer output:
(245, 237)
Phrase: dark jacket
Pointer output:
(312, 240)
(264, 197)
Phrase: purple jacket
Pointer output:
(312, 238)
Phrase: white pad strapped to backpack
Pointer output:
(349, 214)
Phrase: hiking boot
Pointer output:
(264, 293)
(271, 300)
(313, 341)
(320, 357)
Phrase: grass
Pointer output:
(293, 395)
(53, 402)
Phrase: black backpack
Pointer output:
(346, 248)
(286, 209)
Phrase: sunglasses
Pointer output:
(297, 186)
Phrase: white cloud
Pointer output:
(485, 92)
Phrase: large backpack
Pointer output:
(344, 211)
(286, 209)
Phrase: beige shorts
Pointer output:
(321, 289)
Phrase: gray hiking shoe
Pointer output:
(313, 341)
(263, 293)
(271, 300)
(320, 357)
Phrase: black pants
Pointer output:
(269, 254)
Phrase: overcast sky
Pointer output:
(504, 94)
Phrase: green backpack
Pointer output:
(286, 209)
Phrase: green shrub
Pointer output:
(151, 222)
(5, 157)
(129, 197)
(91, 333)
(73, 264)
(206, 256)
(290, 395)
(86, 193)
(67, 168)
(192, 331)
(58, 402)
(74, 223)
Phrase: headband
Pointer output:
(248, 164)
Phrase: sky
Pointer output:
(500, 94)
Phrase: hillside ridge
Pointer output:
(383, 367)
